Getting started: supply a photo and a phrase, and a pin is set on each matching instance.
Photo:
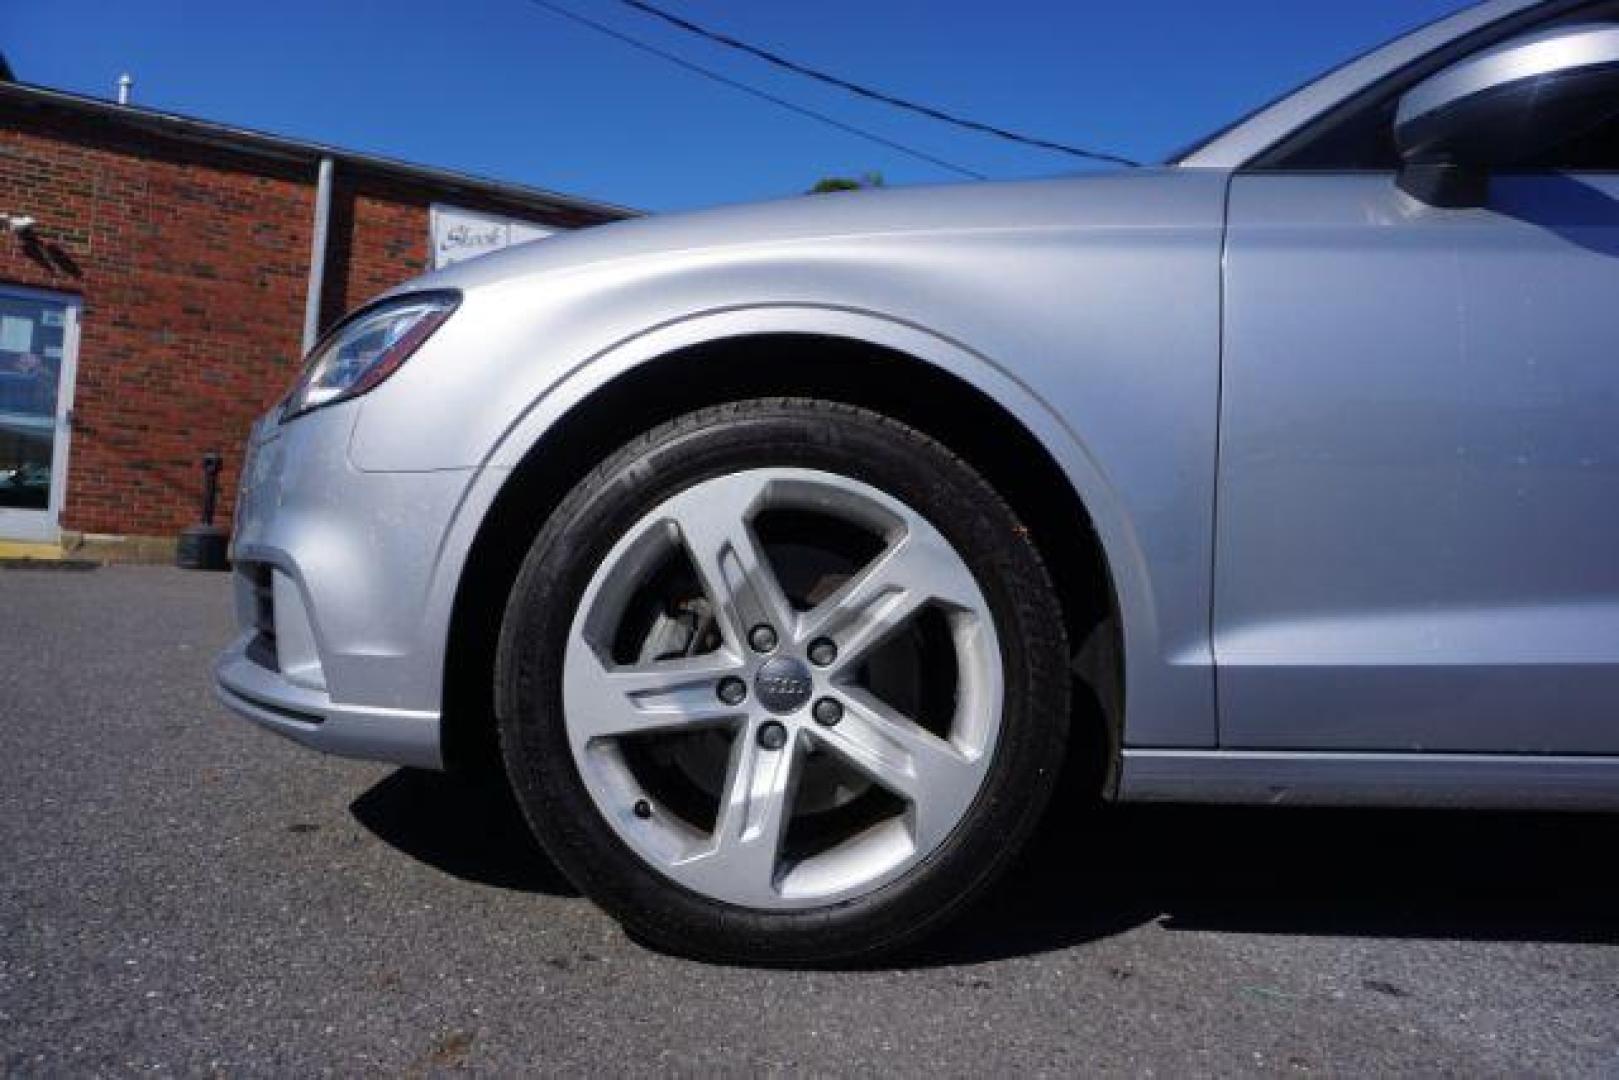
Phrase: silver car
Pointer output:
(782, 557)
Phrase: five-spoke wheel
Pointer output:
(785, 682)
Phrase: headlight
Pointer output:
(366, 348)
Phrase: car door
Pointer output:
(1417, 542)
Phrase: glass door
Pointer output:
(39, 334)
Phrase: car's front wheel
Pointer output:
(782, 681)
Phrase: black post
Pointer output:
(211, 464)
(206, 546)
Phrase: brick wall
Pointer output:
(192, 278)
(191, 262)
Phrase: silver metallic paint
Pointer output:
(360, 548)
(1090, 309)
(1115, 275)
(311, 717)
(1419, 494)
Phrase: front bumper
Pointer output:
(342, 615)
(309, 716)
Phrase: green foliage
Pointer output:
(847, 183)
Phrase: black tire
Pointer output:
(784, 432)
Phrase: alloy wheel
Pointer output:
(782, 688)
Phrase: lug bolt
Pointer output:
(822, 651)
(643, 809)
(827, 712)
(762, 638)
(772, 735)
(732, 690)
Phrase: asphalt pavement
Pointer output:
(183, 893)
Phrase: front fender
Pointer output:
(1160, 695)
(1097, 329)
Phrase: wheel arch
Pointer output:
(886, 377)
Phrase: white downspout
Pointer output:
(317, 254)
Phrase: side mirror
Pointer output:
(1503, 106)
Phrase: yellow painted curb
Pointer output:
(17, 549)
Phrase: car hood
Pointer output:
(1101, 199)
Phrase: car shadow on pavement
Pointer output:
(1469, 875)
(470, 831)
(1096, 871)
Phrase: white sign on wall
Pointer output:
(459, 234)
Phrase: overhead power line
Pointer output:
(725, 80)
(867, 92)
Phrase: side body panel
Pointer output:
(1418, 537)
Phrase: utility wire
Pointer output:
(867, 92)
(725, 80)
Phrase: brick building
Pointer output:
(159, 277)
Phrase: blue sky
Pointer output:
(504, 89)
